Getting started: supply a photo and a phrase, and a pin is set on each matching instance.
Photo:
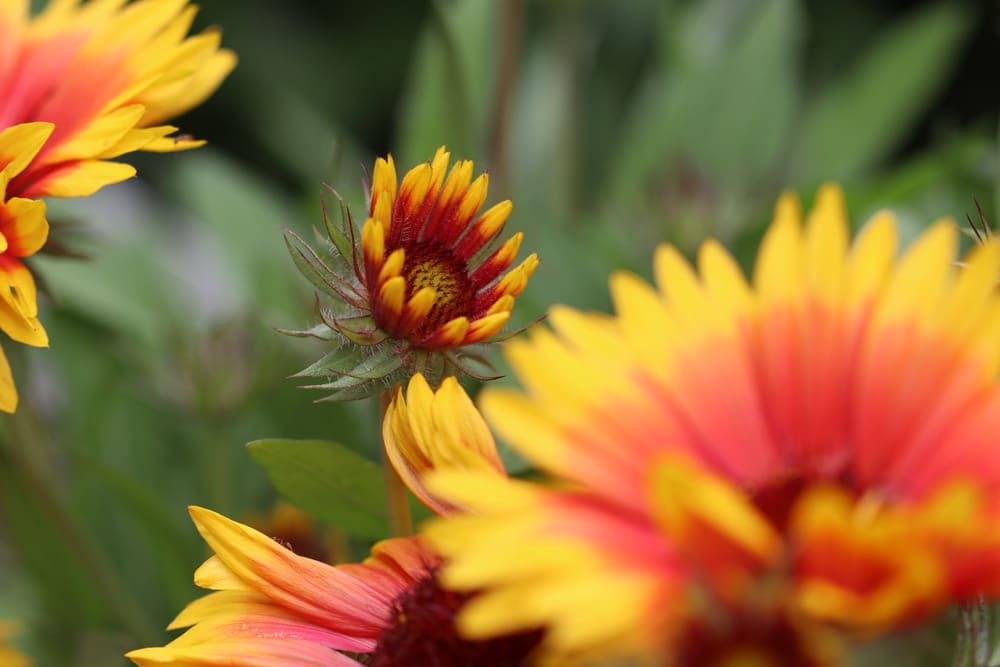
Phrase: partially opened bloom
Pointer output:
(274, 608)
(421, 285)
(822, 439)
(81, 84)
(436, 430)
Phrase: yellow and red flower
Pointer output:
(424, 283)
(81, 84)
(274, 608)
(822, 438)
(106, 74)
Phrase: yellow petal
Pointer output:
(86, 178)
(8, 392)
(19, 144)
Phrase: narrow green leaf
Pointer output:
(728, 88)
(860, 118)
(169, 543)
(328, 481)
(447, 99)
(70, 595)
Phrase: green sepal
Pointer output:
(366, 389)
(358, 329)
(316, 271)
(320, 331)
(473, 365)
(370, 367)
(502, 335)
(378, 365)
(344, 245)
(334, 362)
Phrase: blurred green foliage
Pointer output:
(612, 126)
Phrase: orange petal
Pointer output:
(317, 592)
(450, 334)
(485, 327)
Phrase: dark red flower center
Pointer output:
(777, 498)
(428, 264)
(423, 632)
(758, 637)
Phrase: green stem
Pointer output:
(396, 495)
(219, 467)
(26, 450)
(510, 47)
(975, 641)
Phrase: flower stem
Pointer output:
(510, 46)
(976, 641)
(396, 495)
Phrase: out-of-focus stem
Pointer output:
(219, 466)
(396, 496)
(510, 46)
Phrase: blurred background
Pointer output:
(613, 126)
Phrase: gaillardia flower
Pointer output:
(105, 75)
(820, 443)
(274, 608)
(23, 230)
(81, 84)
(420, 286)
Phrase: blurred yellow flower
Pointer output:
(80, 84)
(822, 440)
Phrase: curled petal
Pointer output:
(427, 430)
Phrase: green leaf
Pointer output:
(328, 481)
(742, 139)
(168, 543)
(447, 101)
(859, 119)
(71, 597)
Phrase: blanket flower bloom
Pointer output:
(81, 84)
(423, 284)
(274, 608)
(819, 443)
